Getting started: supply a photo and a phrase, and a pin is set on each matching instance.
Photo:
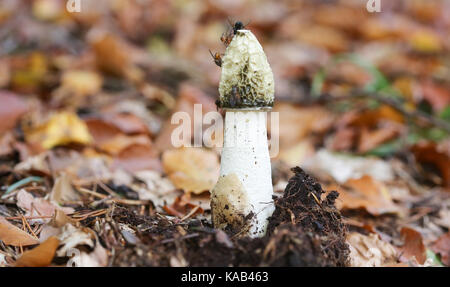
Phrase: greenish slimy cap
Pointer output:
(247, 79)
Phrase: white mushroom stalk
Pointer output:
(242, 198)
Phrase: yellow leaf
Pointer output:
(82, 82)
(425, 41)
(62, 128)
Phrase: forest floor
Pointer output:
(89, 176)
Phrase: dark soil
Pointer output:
(305, 230)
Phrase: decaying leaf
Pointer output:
(442, 247)
(370, 251)
(11, 109)
(71, 237)
(11, 235)
(182, 207)
(81, 82)
(39, 256)
(37, 206)
(437, 155)
(137, 157)
(342, 167)
(63, 191)
(156, 188)
(413, 247)
(366, 193)
(192, 169)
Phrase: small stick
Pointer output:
(190, 213)
(29, 227)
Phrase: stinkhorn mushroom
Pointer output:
(241, 200)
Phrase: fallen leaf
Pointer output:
(11, 109)
(435, 154)
(322, 36)
(160, 190)
(437, 95)
(121, 142)
(71, 237)
(81, 82)
(413, 247)
(442, 247)
(62, 128)
(425, 41)
(11, 235)
(366, 193)
(137, 157)
(296, 123)
(188, 96)
(36, 206)
(343, 167)
(112, 56)
(370, 251)
(369, 140)
(191, 169)
(182, 206)
(62, 190)
(40, 256)
(96, 258)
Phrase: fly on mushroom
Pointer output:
(228, 36)
(217, 58)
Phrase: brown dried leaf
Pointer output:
(36, 206)
(413, 246)
(137, 157)
(11, 235)
(369, 140)
(442, 247)
(297, 122)
(39, 256)
(182, 206)
(192, 169)
(366, 193)
(188, 96)
(11, 109)
(370, 251)
(437, 155)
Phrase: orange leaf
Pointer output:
(40, 256)
(413, 246)
(366, 193)
(11, 235)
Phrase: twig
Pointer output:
(395, 104)
(27, 217)
(119, 200)
(192, 212)
(28, 226)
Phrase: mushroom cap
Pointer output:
(247, 79)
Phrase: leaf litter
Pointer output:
(89, 176)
